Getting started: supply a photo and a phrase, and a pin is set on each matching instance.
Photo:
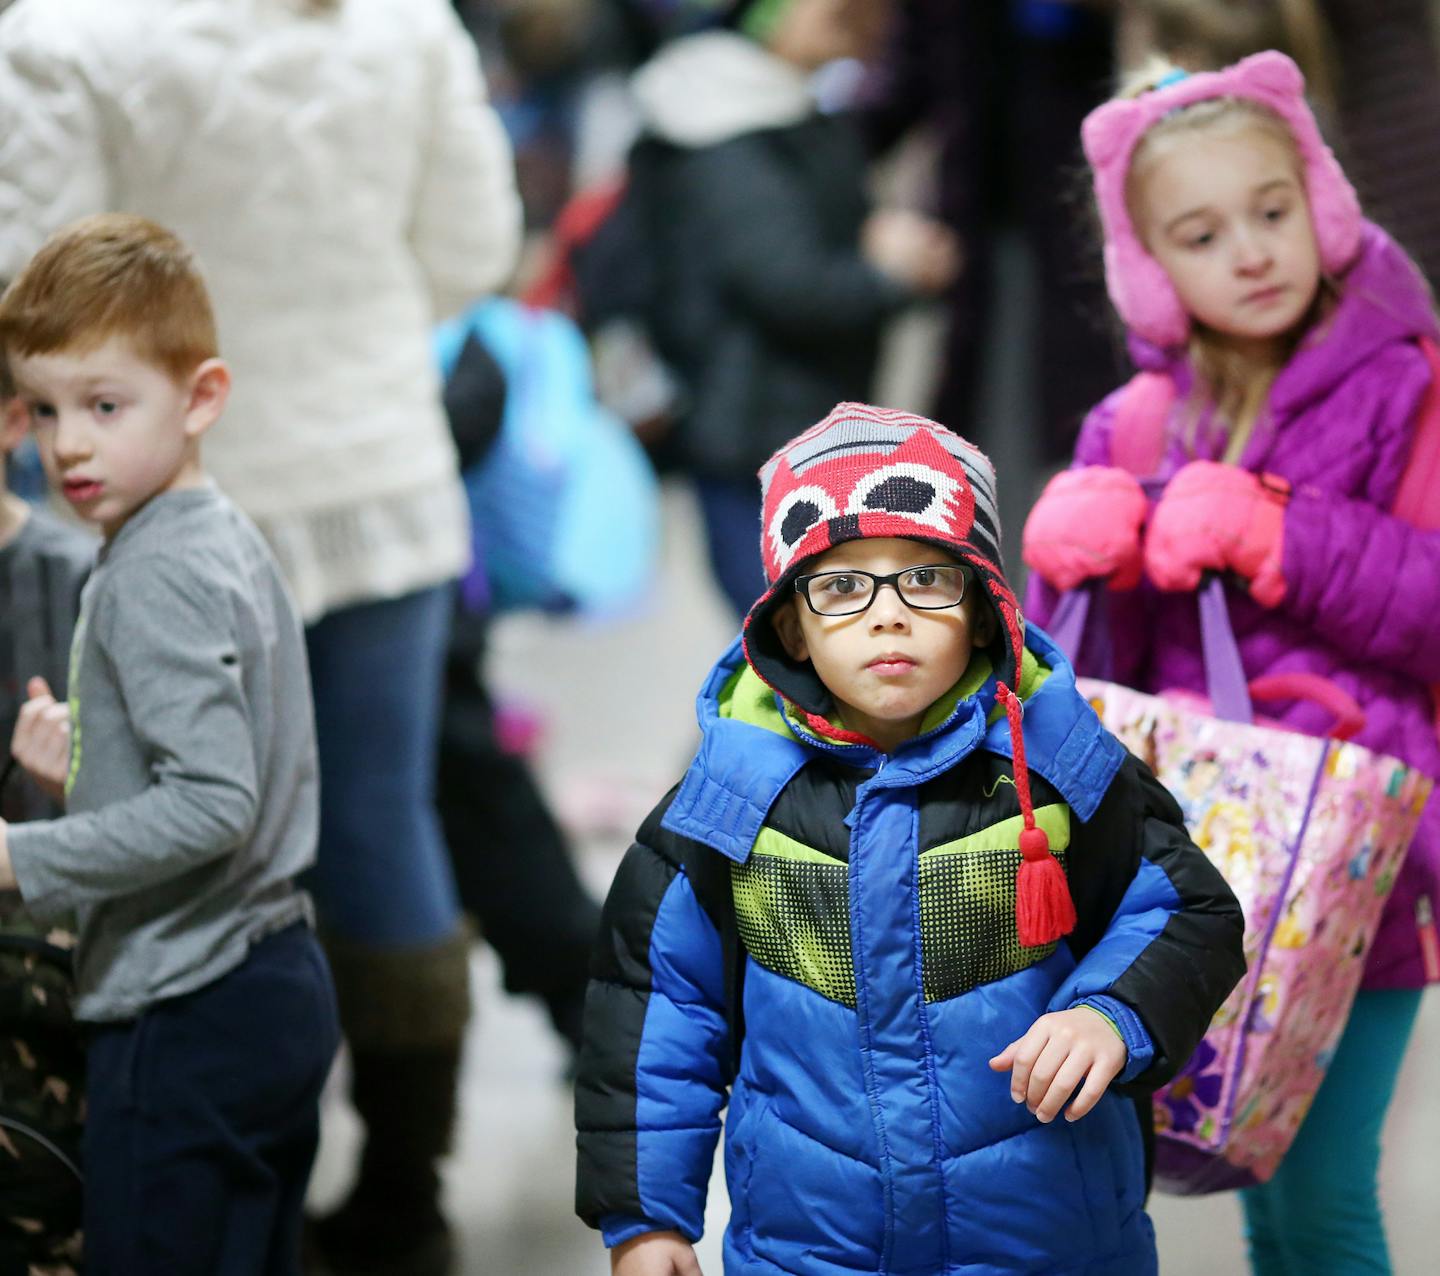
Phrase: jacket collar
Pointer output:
(753, 744)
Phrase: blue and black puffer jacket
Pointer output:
(824, 936)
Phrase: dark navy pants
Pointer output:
(730, 509)
(203, 1119)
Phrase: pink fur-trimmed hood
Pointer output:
(1138, 285)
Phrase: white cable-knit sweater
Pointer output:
(344, 183)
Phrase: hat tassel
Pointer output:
(1044, 910)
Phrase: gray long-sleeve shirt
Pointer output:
(192, 798)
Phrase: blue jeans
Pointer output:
(731, 510)
(382, 877)
(1320, 1214)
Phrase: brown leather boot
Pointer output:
(404, 1013)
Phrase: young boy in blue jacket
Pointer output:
(894, 930)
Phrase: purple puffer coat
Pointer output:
(1362, 600)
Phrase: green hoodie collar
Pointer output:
(745, 697)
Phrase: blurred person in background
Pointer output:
(538, 57)
(512, 860)
(558, 74)
(773, 277)
(343, 180)
(1207, 34)
(1373, 70)
(44, 562)
(43, 567)
(1003, 85)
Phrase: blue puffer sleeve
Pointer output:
(1158, 942)
(652, 1073)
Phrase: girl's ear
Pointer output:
(786, 623)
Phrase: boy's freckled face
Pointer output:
(885, 666)
(113, 429)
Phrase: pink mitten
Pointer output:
(1085, 525)
(1221, 518)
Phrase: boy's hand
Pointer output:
(41, 743)
(655, 1254)
(1059, 1052)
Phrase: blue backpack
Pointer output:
(564, 504)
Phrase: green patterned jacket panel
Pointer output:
(792, 895)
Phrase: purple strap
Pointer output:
(1080, 626)
(1067, 624)
(1224, 672)
(1080, 629)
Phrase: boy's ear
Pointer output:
(786, 622)
(209, 392)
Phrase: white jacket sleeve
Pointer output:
(467, 222)
(53, 166)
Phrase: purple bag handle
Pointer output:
(1071, 619)
(1224, 671)
(1080, 626)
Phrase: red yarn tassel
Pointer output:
(1044, 910)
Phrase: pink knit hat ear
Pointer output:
(1138, 285)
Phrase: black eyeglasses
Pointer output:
(932, 587)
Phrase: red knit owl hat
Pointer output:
(870, 472)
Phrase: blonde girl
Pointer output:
(1238, 258)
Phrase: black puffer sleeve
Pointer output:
(655, 1025)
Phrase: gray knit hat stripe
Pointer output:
(880, 430)
(985, 535)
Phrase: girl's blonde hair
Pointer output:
(1228, 388)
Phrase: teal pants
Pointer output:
(1320, 1214)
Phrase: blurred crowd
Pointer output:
(727, 205)
(986, 100)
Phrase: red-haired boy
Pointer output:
(187, 766)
